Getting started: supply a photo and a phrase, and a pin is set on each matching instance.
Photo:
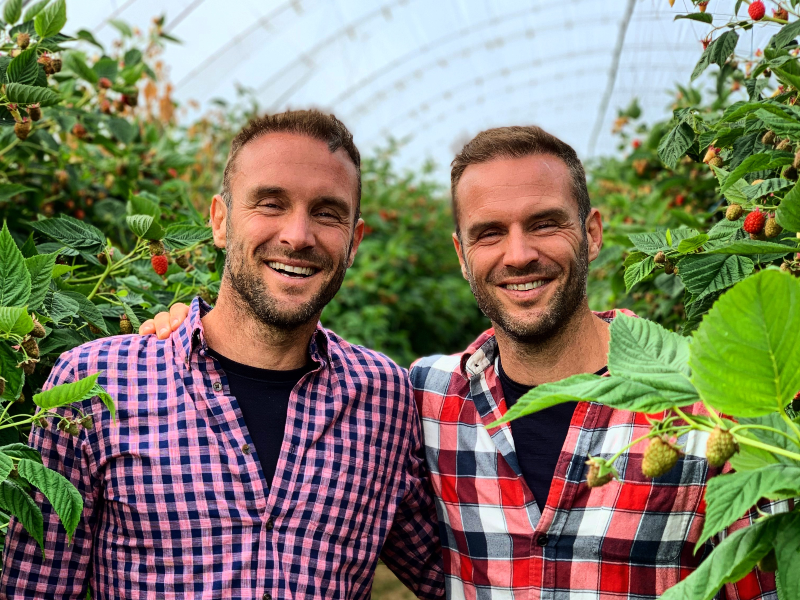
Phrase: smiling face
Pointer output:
(523, 247)
(291, 230)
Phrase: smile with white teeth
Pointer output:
(522, 287)
(290, 270)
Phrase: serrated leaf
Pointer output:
(704, 274)
(6, 466)
(730, 496)
(675, 144)
(40, 267)
(64, 498)
(8, 190)
(106, 399)
(15, 282)
(87, 36)
(14, 377)
(756, 162)
(87, 310)
(782, 124)
(693, 243)
(12, 11)
(29, 94)
(744, 358)
(73, 233)
(59, 307)
(645, 352)
(788, 213)
(183, 236)
(717, 52)
(631, 259)
(653, 242)
(785, 35)
(16, 501)
(135, 322)
(702, 17)
(635, 273)
(51, 20)
(144, 226)
(106, 67)
(66, 393)
(772, 436)
(19, 450)
(752, 247)
(121, 129)
(787, 554)
(75, 62)
(34, 9)
(766, 187)
(23, 68)
(15, 321)
(730, 561)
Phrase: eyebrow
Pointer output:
(551, 213)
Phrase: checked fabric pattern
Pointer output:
(622, 541)
(175, 502)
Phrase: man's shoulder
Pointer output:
(116, 354)
(358, 358)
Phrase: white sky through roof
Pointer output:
(433, 71)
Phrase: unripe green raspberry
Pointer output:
(593, 479)
(734, 212)
(721, 445)
(659, 457)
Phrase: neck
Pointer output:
(232, 330)
(581, 346)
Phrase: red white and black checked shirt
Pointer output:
(176, 505)
(626, 541)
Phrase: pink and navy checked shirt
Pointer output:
(175, 502)
(623, 541)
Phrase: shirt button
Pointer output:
(270, 524)
(217, 386)
(542, 540)
(246, 448)
(267, 596)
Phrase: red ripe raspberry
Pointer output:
(104, 83)
(160, 263)
(756, 10)
(680, 199)
(754, 223)
(636, 144)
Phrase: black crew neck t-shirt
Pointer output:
(263, 397)
(538, 438)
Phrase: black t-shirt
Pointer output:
(263, 397)
(538, 438)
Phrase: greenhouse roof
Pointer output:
(434, 72)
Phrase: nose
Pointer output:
(296, 231)
(519, 249)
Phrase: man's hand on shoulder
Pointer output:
(164, 323)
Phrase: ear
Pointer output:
(219, 221)
(460, 252)
(594, 233)
(358, 235)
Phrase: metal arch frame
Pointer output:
(379, 72)
(305, 56)
(521, 67)
(523, 84)
(444, 116)
(236, 40)
(612, 75)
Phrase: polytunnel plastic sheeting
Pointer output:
(432, 72)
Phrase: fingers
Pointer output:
(148, 327)
(177, 313)
(162, 325)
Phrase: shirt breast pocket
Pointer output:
(647, 522)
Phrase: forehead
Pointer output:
(298, 163)
(509, 185)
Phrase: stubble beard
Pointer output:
(254, 295)
(566, 301)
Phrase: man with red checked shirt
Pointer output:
(516, 515)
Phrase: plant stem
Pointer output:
(766, 428)
(790, 423)
(13, 143)
(768, 448)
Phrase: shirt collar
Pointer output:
(483, 352)
(190, 336)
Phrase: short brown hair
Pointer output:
(517, 142)
(312, 123)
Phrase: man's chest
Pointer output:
(483, 494)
